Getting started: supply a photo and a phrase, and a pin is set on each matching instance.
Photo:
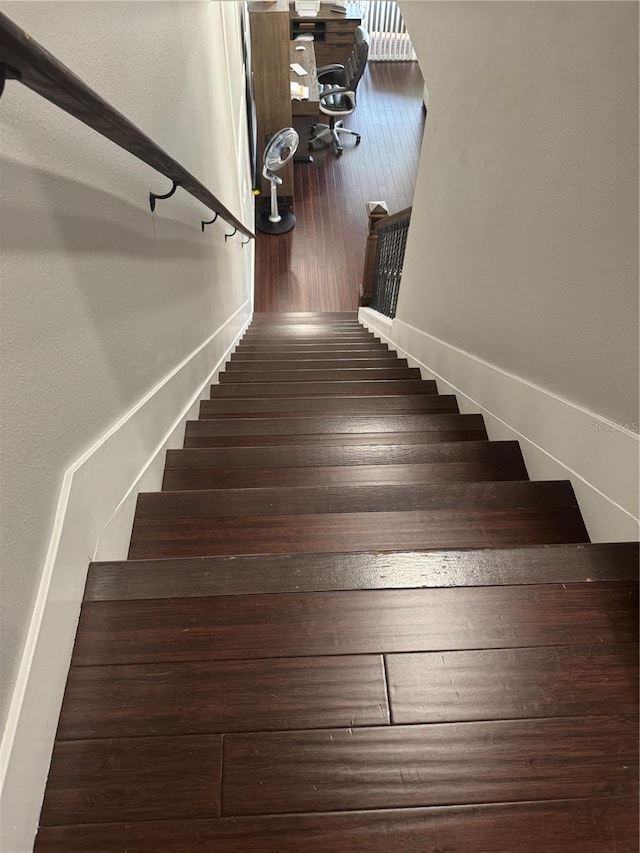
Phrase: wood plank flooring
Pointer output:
(349, 622)
(318, 266)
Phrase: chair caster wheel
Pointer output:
(312, 128)
(358, 140)
(339, 152)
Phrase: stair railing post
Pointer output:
(376, 210)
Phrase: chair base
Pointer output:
(324, 134)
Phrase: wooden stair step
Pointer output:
(311, 375)
(285, 407)
(142, 778)
(326, 388)
(313, 349)
(293, 456)
(206, 697)
(311, 500)
(322, 428)
(501, 684)
(300, 316)
(333, 366)
(355, 623)
(410, 766)
(343, 475)
(470, 528)
(561, 826)
(296, 335)
(323, 572)
(243, 359)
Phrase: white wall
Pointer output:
(110, 315)
(523, 248)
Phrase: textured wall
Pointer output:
(100, 299)
(524, 242)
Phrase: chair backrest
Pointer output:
(357, 61)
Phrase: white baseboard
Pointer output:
(559, 439)
(93, 521)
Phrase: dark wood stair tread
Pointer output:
(342, 475)
(324, 388)
(412, 766)
(373, 405)
(355, 623)
(346, 374)
(562, 826)
(318, 572)
(295, 456)
(356, 499)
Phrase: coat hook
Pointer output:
(246, 242)
(208, 221)
(153, 197)
(226, 236)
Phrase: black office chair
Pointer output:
(338, 84)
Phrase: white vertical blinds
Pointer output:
(390, 40)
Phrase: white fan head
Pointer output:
(280, 149)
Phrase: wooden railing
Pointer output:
(23, 59)
(384, 258)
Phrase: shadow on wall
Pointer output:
(91, 221)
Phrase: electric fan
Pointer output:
(280, 149)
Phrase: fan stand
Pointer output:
(275, 222)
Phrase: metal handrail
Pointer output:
(23, 59)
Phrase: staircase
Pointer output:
(349, 622)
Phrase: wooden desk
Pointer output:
(332, 31)
(306, 58)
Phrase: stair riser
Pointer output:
(199, 537)
(239, 478)
(308, 388)
(337, 375)
(354, 499)
(278, 408)
(291, 457)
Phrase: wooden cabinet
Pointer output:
(332, 32)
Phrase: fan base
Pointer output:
(264, 224)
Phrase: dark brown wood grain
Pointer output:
(408, 766)
(284, 407)
(199, 436)
(96, 781)
(343, 475)
(223, 696)
(366, 531)
(565, 826)
(299, 358)
(283, 371)
(352, 455)
(362, 622)
(267, 573)
(323, 428)
(355, 499)
(326, 388)
(501, 684)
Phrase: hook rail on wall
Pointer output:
(204, 223)
(153, 197)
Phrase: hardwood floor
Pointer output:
(318, 266)
(349, 624)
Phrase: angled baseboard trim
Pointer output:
(559, 439)
(126, 459)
